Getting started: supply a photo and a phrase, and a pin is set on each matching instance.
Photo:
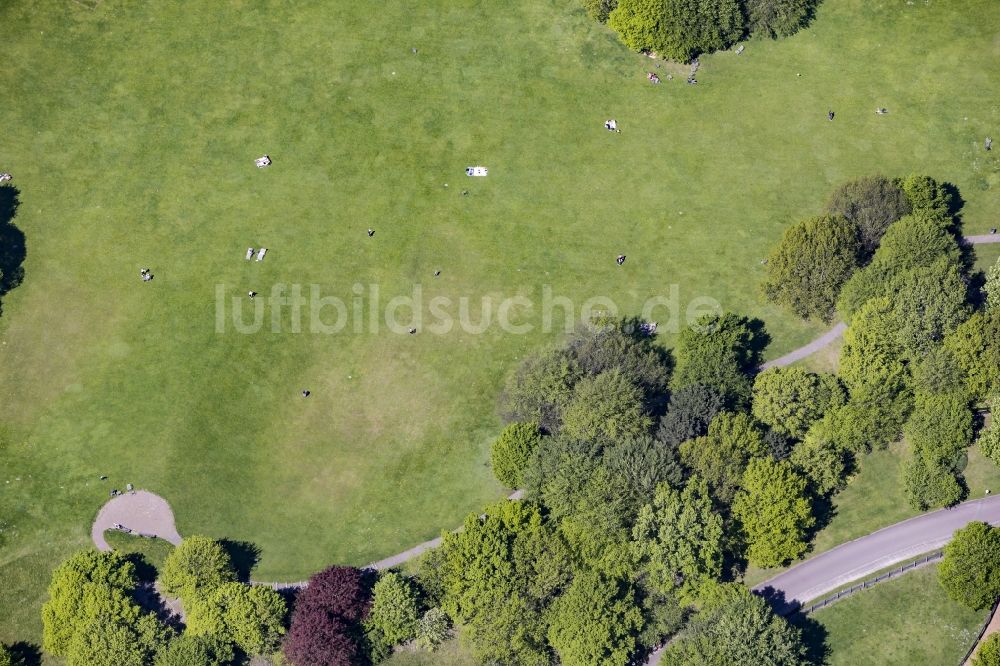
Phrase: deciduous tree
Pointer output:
(721, 456)
(970, 570)
(976, 346)
(394, 614)
(810, 264)
(605, 406)
(774, 512)
(690, 410)
(327, 619)
(718, 351)
(595, 622)
(251, 617)
(512, 450)
(791, 399)
(871, 203)
(197, 566)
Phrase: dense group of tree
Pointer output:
(918, 354)
(683, 29)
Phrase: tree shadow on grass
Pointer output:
(245, 556)
(813, 637)
(25, 654)
(12, 241)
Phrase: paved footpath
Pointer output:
(862, 557)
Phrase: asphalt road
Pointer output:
(862, 557)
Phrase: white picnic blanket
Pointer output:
(261, 253)
(476, 171)
(249, 253)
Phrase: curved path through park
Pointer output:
(857, 559)
(140, 511)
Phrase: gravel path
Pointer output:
(981, 240)
(809, 349)
(140, 511)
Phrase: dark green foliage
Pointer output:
(811, 263)
(930, 483)
(789, 400)
(637, 466)
(678, 541)
(929, 303)
(778, 18)
(871, 203)
(774, 512)
(722, 456)
(736, 627)
(938, 371)
(663, 614)
(540, 388)
(512, 450)
(692, 27)
(689, 412)
(186, 650)
(608, 406)
(595, 622)
(718, 351)
(976, 346)
(927, 195)
(598, 10)
(778, 445)
(970, 570)
(914, 241)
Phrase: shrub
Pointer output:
(988, 653)
(512, 450)
(433, 629)
(394, 611)
(598, 10)
(778, 18)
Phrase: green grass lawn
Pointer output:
(909, 620)
(450, 653)
(131, 129)
(153, 551)
(987, 255)
(874, 498)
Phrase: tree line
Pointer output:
(682, 29)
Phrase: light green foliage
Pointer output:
(970, 570)
(774, 511)
(859, 427)
(821, 461)
(717, 352)
(976, 346)
(595, 622)
(872, 363)
(197, 566)
(679, 538)
(736, 627)
(496, 576)
(88, 585)
(989, 443)
(692, 27)
(6, 658)
(721, 456)
(927, 195)
(639, 24)
(394, 612)
(433, 629)
(188, 650)
(871, 203)
(605, 406)
(811, 263)
(129, 638)
(992, 286)
(512, 450)
(791, 399)
(252, 617)
(915, 241)
(988, 652)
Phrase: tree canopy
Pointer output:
(810, 264)
(718, 351)
(774, 511)
(595, 622)
(198, 565)
(251, 617)
(722, 455)
(791, 399)
(970, 570)
(871, 203)
(326, 622)
(512, 450)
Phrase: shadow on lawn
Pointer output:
(12, 246)
(26, 654)
(245, 556)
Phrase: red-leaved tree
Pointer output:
(326, 623)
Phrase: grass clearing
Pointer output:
(153, 551)
(909, 620)
(131, 128)
(449, 653)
